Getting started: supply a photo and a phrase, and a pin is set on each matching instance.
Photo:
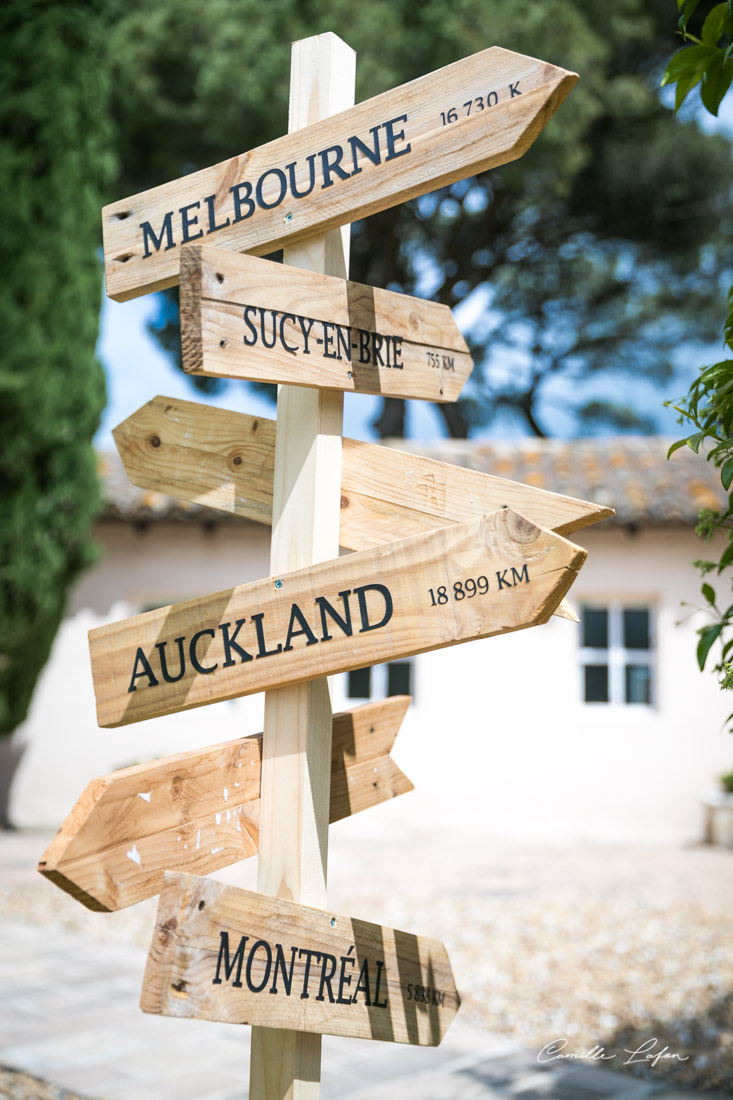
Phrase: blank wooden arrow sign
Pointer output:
(247, 318)
(199, 811)
(491, 575)
(225, 460)
(219, 953)
(470, 116)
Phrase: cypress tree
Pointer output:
(55, 157)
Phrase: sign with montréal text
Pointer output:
(219, 953)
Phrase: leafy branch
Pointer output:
(709, 62)
(708, 404)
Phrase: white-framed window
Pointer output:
(617, 653)
(381, 681)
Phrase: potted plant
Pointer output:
(719, 810)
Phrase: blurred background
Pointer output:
(570, 833)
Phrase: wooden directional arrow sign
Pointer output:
(225, 460)
(199, 811)
(491, 575)
(247, 318)
(219, 953)
(470, 116)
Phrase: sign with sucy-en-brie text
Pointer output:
(199, 811)
(243, 317)
(219, 953)
(225, 460)
(491, 575)
(470, 116)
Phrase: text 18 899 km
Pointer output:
(466, 590)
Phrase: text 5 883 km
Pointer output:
(423, 994)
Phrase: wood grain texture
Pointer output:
(296, 750)
(417, 154)
(243, 317)
(336, 975)
(288, 628)
(199, 811)
(225, 460)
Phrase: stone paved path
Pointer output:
(69, 1015)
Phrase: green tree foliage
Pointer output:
(54, 159)
(708, 405)
(596, 251)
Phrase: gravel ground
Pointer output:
(21, 1086)
(616, 947)
(619, 974)
(610, 946)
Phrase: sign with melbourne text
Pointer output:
(470, 116)
(199, 811)
(491, 575)
(243, 317)
(219, 953)
(225, 460)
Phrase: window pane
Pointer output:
(638, 684)
(594, 622)
(399, 678)
(360, 683)
(636, 628)
(596, 683)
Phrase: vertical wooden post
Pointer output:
(307, 497)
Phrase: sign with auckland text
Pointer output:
(490, 575)
(199, 811)
(243, 317)
(460, 120)
(219, 953)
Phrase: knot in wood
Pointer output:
(167, 930)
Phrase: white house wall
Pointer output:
(64, 748)
(498, 740)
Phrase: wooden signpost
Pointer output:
(225, 460)
(297, 735)
(442, 556)
(200, 811)
(470, 116)
(490, 575)
(219, 953)
(247, 318)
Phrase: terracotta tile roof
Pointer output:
(628, 473)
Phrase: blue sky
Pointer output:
(138, 370)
